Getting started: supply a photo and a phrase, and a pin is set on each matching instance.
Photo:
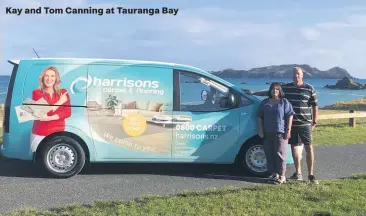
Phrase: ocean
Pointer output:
(325, 96)
(4, 81)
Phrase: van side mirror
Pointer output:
(229, 101)
(224, 102)
(204, 94)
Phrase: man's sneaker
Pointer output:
(296, 176)
(312, 179)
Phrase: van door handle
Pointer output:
(243, 114)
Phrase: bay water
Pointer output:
(325, 96)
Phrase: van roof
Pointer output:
(126, 61)
(130, 61)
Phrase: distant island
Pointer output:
(346, 83)
(284, 71)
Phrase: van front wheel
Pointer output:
(254, 160)
(62, 157)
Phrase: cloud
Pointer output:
(338, 43)
(310, 33)
(196, 26)
(353, 21)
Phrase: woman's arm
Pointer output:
(260, 116)
(289, 122)
(64, 99)
(63, 111)
(36, 95)
(260, 127)
(289, 114)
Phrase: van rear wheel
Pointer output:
(253, 158)
(62, 157)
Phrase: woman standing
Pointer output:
(275, 115)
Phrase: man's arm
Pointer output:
(314, 104)
(258, 93)
(315, 113)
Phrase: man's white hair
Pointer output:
(297, 69)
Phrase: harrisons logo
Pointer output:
(80, 84)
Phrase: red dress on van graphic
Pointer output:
(44, 128)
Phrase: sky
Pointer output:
(209, 34)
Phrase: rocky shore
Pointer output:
(346, 84)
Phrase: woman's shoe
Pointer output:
(272, 177)
(280, 180)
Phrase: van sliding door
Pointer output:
(128, 107)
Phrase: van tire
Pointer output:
(58, 150)
(252, 158)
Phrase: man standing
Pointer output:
(303, 98)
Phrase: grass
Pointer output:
(337, 131)
(359, 105)
(331, 197)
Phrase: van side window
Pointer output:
(200, 94)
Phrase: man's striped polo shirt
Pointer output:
(302, 98)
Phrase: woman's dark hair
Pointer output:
(273, 86)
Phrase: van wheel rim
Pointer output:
(255, 158)
(61, 158)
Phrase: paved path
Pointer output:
(20, 187)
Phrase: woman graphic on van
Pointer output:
(54, 119)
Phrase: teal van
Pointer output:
(64, 113)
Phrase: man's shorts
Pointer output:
(301, 135)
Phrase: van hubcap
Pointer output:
(255, 158)
(61, 158)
